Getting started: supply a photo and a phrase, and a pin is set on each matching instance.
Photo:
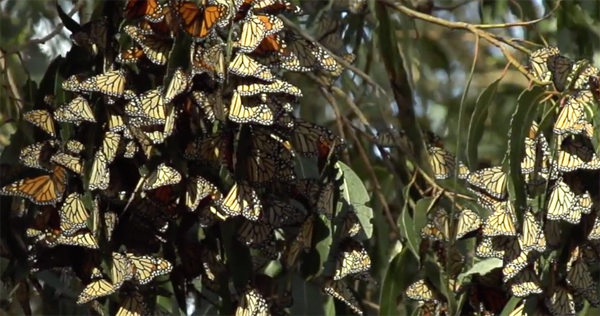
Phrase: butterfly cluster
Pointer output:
(169, 145)
(548, 258)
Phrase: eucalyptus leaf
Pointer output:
(354, 191)
(477, 122)
(482, 267)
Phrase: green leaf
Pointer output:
(308, 298)
(482, 267)
(354, 191)
(69, 23)
(396, 280)
(55, 282)
(405, 223)
(412, 225)
(520, 125)
(510, 306)
(477, 122)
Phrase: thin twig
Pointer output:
(376, 185)
(338, 118)
(473, 28)
(49, 36)
(14, 90)
(340, 60)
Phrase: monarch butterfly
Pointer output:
(439, 227)
(244, 66)
(76, 111)
(306, 233)
(271, 47)
(310, 140)
(560, 67)
(100, 173)
(154, 47)
(251, 303)
(525, 283)
(467, 222)
(81, 238)
(576, 154)
(421, 291)
(74, 146)
(162, 176)
(146, 134)
(255, 234)
(583, 70)
(133, 305)
(110, 222)
(167, 28)
(485, 295)
(242, 199)
(560, 301)
(449, 259)
(341, 291)
(111, 83)
(442, 163)
(572, 113)
(37, 155)
(42, 119)
(73, 214)
(532, 235)
(392, 138)
(595, 232)
(212, 105)
(515, 259)
(72, 83)
(502, 222)
(92, 36)
(254, 29)
(583, 203)
(246, 112)
(72, 163)
(329, 33)
(490, 180)
(579, 276)
(351, 259)
(553, 233)
(115, 122)
(149, 106)
(539, 62)
(131, 148)
(302, 55)
(121, 269)
(178, 85)
(210, 60)
(278, 214)
(40, 190)
(148, 9)
(197, 189)
(277, 86)
(560, 201)
(199, 21)
(131, 55)
(212, 149)
(265, 160)
(110, 145)
(96, 289)
(272, 6)
(291, 253)
(146, 268)
(351, 225)
(333, 75)
(325, 200)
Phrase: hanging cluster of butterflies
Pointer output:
(167, 140)
(548, 259)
